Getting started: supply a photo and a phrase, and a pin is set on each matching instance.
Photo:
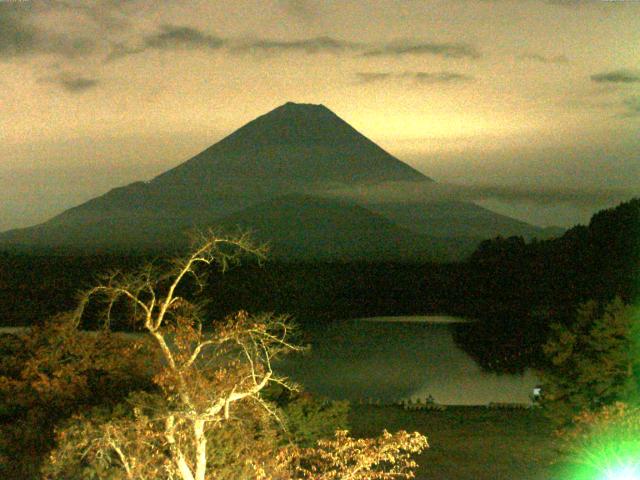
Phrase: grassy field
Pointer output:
(469, 443)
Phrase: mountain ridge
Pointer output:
(292, 149)
(298, 132)
(304, 226)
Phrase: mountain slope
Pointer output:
(301, 226)
(293, 143)
(294, 149)
(455, 219)
(286, 150)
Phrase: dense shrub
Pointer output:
(593, 361)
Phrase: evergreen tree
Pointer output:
(592, 361)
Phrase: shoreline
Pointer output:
(429, 319)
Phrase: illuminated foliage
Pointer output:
(207, 416)
(308, 419)
(383, 458)
(592, 362)
(51, 371)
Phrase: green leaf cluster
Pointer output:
(592, 362)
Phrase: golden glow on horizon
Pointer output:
(448, 77)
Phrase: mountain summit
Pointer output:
(293, 153)
(294, 142)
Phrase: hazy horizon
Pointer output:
(36, 191)
(531, 107)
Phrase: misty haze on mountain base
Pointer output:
(36, 184)
(299, 177)
(22, 205)
(551, 207)
(99, 95)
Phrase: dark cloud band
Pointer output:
(78, 84)
(175, 36)
(440, 77)
(19, 37)
(310, 45)
(72, 83)
(416, 77)
(438, 192)
(448, 50)
(617, 76)
(536, 57)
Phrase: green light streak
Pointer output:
(605, 445)
(623, 473)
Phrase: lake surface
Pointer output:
(393, 358)
(390, 358)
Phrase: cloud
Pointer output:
(610, 99)
(406, 47)
(558, 59)
(309, 45)
(72, 83)
(19, 37)
(120, 50)
(168, 37)
(575, 3)
(565, 2)
(587, 3)
(305, 10)
(442, 192)
(617, 76)
(110, 15)
(546, 196)
(78, 84)
(373, 77)
(439, 77)
(175, 36)
(16, 36)
(67, 46)
(417, 77)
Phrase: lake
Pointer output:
(391, 358)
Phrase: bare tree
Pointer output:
(205, 369)
(207, 375)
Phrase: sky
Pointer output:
(532, 106)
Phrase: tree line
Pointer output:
(190, 398)
(515, 289)
(141, 409)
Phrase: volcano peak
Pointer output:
(295, 141)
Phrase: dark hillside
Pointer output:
(294, 149)
(519, 288)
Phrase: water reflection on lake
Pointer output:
(399, 357)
